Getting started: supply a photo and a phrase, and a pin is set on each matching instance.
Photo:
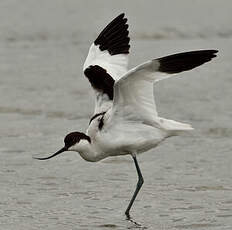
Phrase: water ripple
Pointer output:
(49, 114)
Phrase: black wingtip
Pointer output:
(185, 61)
(122, 15)
(114, 37)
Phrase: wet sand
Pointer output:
(44, 95)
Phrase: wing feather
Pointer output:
(107, 61)
(133, 93)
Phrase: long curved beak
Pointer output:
(53, 155)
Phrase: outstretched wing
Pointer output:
(107, 61)
(133, 93)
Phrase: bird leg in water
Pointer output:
(138, 186)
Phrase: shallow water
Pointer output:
(187, 179)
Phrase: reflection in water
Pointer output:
(111, 226)
(136, 224)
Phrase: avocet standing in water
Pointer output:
(125, 119)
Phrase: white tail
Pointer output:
(174, 127)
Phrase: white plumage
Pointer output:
(116, 66)
(125, 119)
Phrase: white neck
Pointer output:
(86, 151)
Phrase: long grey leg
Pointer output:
(138, 186)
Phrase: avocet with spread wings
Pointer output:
(125, 119)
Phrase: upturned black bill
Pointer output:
(55, 154)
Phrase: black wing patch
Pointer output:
(114, 37)
(100, 80)
(96, 115)
(101, 123)
(185, 61)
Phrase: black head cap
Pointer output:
(74, 137)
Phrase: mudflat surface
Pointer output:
(44, 95)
